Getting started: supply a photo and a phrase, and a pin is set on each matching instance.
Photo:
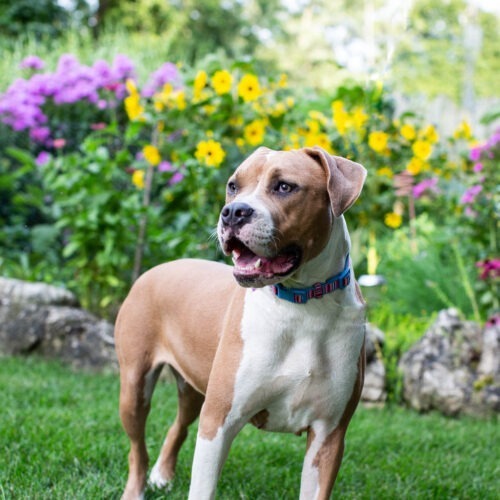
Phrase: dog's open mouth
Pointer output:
(250, 267)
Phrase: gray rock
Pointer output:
(374, 392)
(45, 320)
(25, 292)
(454, 368)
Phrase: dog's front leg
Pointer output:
(322, 463)
(215, 435)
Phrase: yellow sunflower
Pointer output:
(222, 82)
(254, 132)
(249, 88)
(210, 153)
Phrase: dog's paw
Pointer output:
(156, 480)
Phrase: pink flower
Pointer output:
(475, 153)
(478, 167)
(490, 268)
(165, 166)
(176, 178)
(470, 195)
(494, 320)
(98, 126)
(425, 185)
(42, 158)
(59, 143)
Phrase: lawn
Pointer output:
(61, 438)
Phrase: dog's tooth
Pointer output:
(258, 264)
(236, 254)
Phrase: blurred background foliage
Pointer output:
(420, 46)
(386, 59)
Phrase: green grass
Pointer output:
(61, 438)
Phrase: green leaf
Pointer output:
(21, 155)
(71, 248)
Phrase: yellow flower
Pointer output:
(222, 81)
(138, 179)
(408, 132)
(359, 118)
(316, 139)
(159, 106)
(199, 83)
(313, 126)
(283, 81)
(249, 88)
(180, 99)
(318, 116)
(378, 141)
(415, 166)
(133, 107)
(337, 106)
(393, 220)
(210, 153)
(340, 116)
(463, 131)
(294, 141)
(341, 120)
(209, 109)
(323, 142)
(254, 132)
(290, 102)
(131, 86)
(385, 172)
(278, 110)
(151, 154)
(430, 134)
(422, 149)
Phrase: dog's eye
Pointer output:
(231, 187)
(284, 187)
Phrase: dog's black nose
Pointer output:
(236, 214)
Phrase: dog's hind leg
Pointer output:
(136, 388)
(190, 403)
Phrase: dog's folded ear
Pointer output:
(345, 178)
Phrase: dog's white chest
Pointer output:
(299, 362)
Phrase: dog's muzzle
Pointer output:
(258, 261)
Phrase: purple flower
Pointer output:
(165, 166)
(176, 178)
(475, 153)
(494, 139)
(123, 67)
(425, 185)
(42, 158)
(40, 134)
(167, 73)
(32, 62)
(470, 195)
(478, 167)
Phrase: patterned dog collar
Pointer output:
(316, 291)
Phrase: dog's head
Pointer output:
(279, 210)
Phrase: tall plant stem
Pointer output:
(466, 282)
(413, 228)
(143, 221)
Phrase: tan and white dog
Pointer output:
(281, 346)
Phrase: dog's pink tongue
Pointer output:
(248, 262)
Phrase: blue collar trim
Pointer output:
(316, 291)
